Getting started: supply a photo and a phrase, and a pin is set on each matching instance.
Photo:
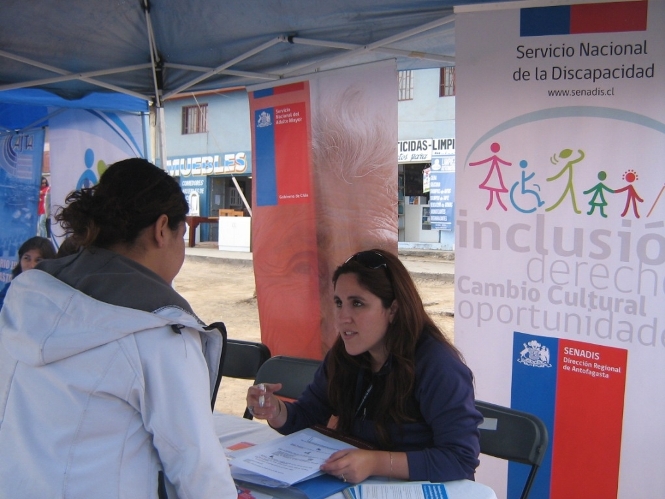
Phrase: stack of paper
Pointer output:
(289, 466)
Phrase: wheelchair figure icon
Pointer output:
(525, 192)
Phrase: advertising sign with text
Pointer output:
(560, 213)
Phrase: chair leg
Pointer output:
(529, 482)
(161, 486)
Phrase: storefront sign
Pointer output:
(423, 150)
(216, 164)
(414, 151)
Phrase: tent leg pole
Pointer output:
(161, 135)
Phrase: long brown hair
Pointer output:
(382, 274)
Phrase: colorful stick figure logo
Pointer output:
(630, 176)
(525, 191)
(88, 178)
(494, 180)
(598, 198)
(568, 169)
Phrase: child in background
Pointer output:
(31, 252)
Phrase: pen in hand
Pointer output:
(262, 398)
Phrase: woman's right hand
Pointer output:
(263, 404)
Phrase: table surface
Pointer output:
(237, 432)
(194, 222)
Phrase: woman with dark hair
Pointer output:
(391, 378)
(106, 374)
(31, 252)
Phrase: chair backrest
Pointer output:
(220, 368)
(294, 373)
(244, 358)
(513, 435)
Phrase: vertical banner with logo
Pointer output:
(20, 174)
(325, 186)
(83, 143)
(560, 250)
(283, 220)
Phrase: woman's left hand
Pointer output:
(351, 465)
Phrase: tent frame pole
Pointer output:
(372, 46)
(387, 50)
(226, 65)
(71, 76)
(231, 72)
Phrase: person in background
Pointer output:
(44, 209)
(391, 378)
(31, 252)
(106, 373)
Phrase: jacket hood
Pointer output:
(45, 320)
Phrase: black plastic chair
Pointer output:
(244, 358)
(294, 373)
(513, 435)
(222, 329)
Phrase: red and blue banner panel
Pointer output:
(282, 149)
(577, 389)
(284, 222)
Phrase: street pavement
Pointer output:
(423, 264)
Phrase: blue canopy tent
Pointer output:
(156, 49)
(160, 48)
(29, 108)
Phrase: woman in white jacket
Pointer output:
(106, 374)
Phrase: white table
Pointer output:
(233, 431)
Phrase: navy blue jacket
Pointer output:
(443, 445)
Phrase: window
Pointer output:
(405, 85)
(195, 119)
(234, 197)
(447, 84)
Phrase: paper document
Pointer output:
(287, 460)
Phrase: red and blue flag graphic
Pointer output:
(577, 389)
(584, 18)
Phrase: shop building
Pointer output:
(426, 159)
(426, 193)
(208, 149)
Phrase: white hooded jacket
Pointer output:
(96, 399)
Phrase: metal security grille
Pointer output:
(447, 85)
(406, 85)
(195, 119)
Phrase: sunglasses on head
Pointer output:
(370, 259)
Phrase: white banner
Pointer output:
(560, 250)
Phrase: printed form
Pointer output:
(287, 460)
